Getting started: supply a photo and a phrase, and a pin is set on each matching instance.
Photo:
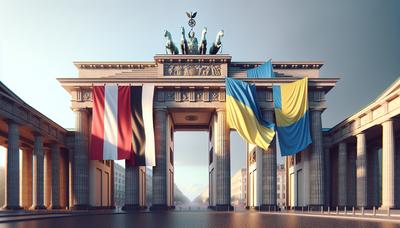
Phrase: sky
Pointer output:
(358, 40)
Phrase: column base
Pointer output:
(387, 207)
(159, 207)
(316, 207)
(267, 207)
(55, 207)
(39, 207)
(223, 207)
(80, 207)
(133, 207)
(8, 207)
(101, 207)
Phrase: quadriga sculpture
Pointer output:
(203, 42)
(184, 44)
(217, 44)
(170, 47)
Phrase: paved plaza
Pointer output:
(196, 219)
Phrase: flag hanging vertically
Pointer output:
(292, 117)
(244, 115)
(263, 71)
(111, 123)
(142, 125)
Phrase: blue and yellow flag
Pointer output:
(244, 115)
(263, 71)
(291, 115)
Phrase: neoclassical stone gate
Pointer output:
(190, 95)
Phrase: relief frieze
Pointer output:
(192, 69)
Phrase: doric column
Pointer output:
(160, 170)
(388, 153)
(269, 170)
(342, 172)
(47, 179)
(131, 187)
(223, 162)
(38, 174)
(317, 189)
(12, 173)
(327, 176)
(81, 161)
(361, 165)
(55, 176)
(26, 178)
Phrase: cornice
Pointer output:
(192, 58)
(392, 92)
(71, 84)
(114, 65)
(281, 65)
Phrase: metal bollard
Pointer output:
(302, 209)
(388, 212)
(362, 211)
(374, 210)
(322, 209)
(345, 210)
(337, 210)
(354, 212)
(329, 210)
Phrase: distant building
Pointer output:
(119, 185)
(281, 185)
(239, 188)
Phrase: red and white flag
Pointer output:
(111, 136)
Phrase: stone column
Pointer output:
(269, 171)
(55, 176)
(361, 165)
(223, 162)
(327, 176)
(81, 161)
(388, 158)
(317, 187)
(47, 179)
(38, 174)
(131, 187)
(12, 172)
(26, 178)
(160, 170)
(342, 172)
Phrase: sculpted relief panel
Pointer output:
(192, 69)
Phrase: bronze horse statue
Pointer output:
(170, 47)
(203, 42)
(217, 44)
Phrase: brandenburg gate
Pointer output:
(190, 95)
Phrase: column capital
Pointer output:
(78, 109)
(360, 134)
(388, 121)
(37, 134)
(160, 109)
(13, 121)
(220, 109)
(316, 109)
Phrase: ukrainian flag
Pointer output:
(243, 114)
(263, 71)
(292, 116)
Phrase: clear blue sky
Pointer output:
(358, 40)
